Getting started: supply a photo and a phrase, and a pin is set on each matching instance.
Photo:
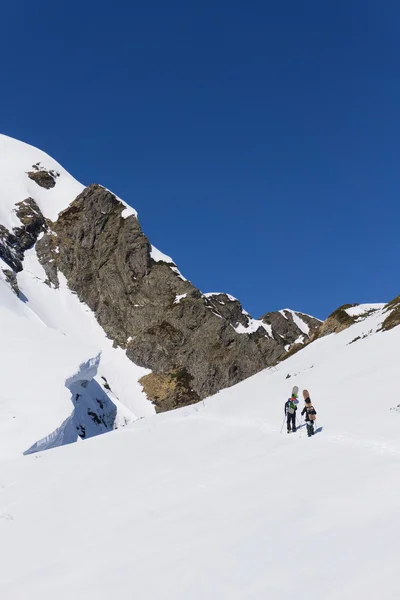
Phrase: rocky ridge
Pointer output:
(195, 344)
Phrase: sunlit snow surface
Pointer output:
(362, 309)
(212, 501)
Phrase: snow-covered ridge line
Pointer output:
(210, 294)
(298, 313)
(362, 309)
(17, 159)
(159, 256)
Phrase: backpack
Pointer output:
(311, 412)
(291, 408)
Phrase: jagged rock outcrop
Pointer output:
(43, 177)
(229, 308)
(163, 321)
(393, 316)
(33, 223)
(10, 251)
(11, 279)
(345, 316)
(14, 244)
(338, 321)
(292, 327)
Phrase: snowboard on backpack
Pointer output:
(295, 391)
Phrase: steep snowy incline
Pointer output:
(35, 364)
(61, 310)
(59, 332)
(211, 501)
(16, 161)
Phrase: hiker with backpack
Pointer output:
(290, 412)
(310, 412)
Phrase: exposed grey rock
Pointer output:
(285, 326)
(10, 250)
(46, 250)
(191, 342)
(338, 321)
(43, 177)
(11, 279)
(393, 314)
(14, 244)
(33, 223)
(228, 308)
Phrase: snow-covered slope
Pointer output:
(17, 159)
(48, 336)
(35, 363)
(212, 501)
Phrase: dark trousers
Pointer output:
(291, 421)
(310, 428)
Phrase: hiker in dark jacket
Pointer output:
(290, 412)
(310, 413)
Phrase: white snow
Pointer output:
(231, 298)
(35, 364)
(45, 340)
(209, 501)
(254, 325)
(177, 271)
(217, 500)
(16, 160)
(159, 256)
(61, 310)
(179, 297)
(361, 309)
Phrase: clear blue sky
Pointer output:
(258, 140)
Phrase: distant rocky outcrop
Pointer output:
(337, 321)
(293, 327)
(392, 309)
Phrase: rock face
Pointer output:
(14, 244)
(33, 223)
(11, 279)
(292, 327)
(338, 321)
(43, 177)
(190, 341)
(393, 317)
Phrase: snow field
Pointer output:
(211, 501)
